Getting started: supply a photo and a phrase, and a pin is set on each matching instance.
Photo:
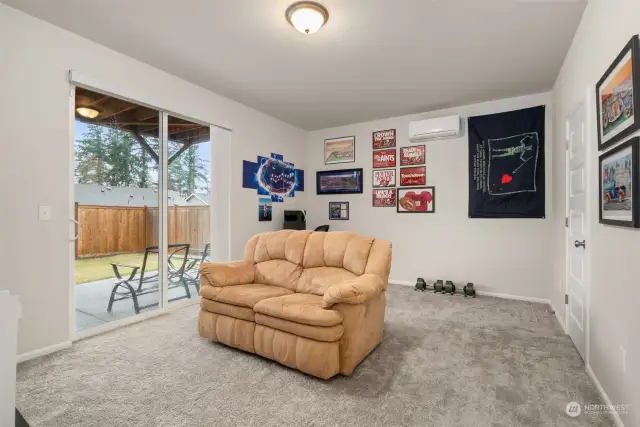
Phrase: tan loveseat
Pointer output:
(313, 301)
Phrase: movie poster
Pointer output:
(384, 159)
(385, 198)
(506, 164)
(412, 155)
(384, 139)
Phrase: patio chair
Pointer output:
(192, 273)
(149, 283)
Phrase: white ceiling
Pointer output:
(373, 59)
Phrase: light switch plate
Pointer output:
(45, 213)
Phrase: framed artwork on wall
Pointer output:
(417, 200)
(384, 139)
(385, 198)
(384, 159)
(384, 178)
(339, 211)
(619, 205)
(265, 209)
(345, 181)
(416, 175)
(412, 155)
(340, 150)
(618, 101)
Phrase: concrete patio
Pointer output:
(92, 299)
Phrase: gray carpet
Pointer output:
(444, 361)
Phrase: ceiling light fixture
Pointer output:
(307, 16)
(89, 113)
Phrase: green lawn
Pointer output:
(92, 269)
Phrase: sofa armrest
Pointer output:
(354, 291)
(227, 274)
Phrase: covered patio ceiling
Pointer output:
(139, 121)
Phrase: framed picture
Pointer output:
(385, 198)
(617, 97)
(413, 155)
(384, 178)
(384, 139)
(340, 150)
(265, 209)
(339, 210)
(416, 175)
(345, 181)
(417, 200)
(384, 158)
(618, 183)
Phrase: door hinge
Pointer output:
(566, 222)
(566, 299)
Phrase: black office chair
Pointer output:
(322, 228)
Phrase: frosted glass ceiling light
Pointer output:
(90, 113)
(307, 16)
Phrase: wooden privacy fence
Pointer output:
(108, 230)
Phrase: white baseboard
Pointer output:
(43, 351)
(488, 294)
(616, 417)
(560, 319)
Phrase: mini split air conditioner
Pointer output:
(442, 127)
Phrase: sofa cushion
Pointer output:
(301, 308)
(318, 333)
(318, 280)
(243, 295)
(278, 272)
(284, 245)
(244, 313)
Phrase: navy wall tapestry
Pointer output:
(506, 164)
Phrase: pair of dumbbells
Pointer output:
(444, 287)
(449, 287)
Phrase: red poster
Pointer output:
(384, 159)
(384, 139)
(413, 176)
(384, 198)
(413, 155)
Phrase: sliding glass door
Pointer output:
(189, 198)
(142, 194)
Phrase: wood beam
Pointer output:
(182, 149)
(147, 148)
(116, 112)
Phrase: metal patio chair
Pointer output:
(192, 273)
(149, 283)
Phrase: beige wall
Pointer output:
(501, 256)
(607, 25)
(36, 58)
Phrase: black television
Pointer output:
(295, 220)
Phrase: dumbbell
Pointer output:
(469, 291)
(449, 287)
(421, 285)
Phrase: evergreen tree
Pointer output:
(92, 165)
(111, 156)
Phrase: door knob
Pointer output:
(578, 243)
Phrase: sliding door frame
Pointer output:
(77, 80)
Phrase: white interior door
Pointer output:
(577, 229)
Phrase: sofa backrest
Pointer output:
(309, 262)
